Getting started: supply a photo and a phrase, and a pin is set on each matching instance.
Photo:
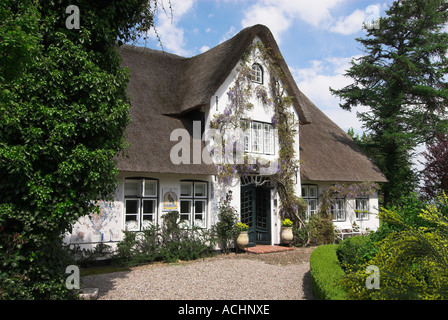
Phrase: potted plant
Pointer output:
(243, 238)
(287, 234)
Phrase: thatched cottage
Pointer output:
(172, 95)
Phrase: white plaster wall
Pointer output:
(108, 227)
(372, 223)
(104, 227)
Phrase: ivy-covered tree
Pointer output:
(401, 78)
(63, 114)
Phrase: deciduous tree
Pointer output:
(435, 172)
(63, 114)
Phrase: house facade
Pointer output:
(175, 162)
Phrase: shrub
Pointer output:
(226, 229)
(355, 251)
(183, 243)
(412, 261)
(326, 273)
(126, 249)
(170, 242)
(321, 229)
(301, 235)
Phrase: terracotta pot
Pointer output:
(287, 235)
(243, 240)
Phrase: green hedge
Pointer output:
(325, 273)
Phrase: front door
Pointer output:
(256, 213)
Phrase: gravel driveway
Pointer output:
(245, 276)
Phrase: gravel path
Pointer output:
(273, 276)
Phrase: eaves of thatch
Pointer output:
(327, 153)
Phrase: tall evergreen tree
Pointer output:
(401, 78)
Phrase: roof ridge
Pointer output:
(149, 51)
(203, 74)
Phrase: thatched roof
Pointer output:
(166, 89)
(156, 89)
(327, 153)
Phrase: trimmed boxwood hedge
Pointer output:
(325, 273)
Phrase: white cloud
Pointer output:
(180, 7)
(315, 12)
(204, 48)
(229, 34)
(170, 34)
(350, 24)
(315, 82)
(279, 15)
(272, 16)
(446, 28)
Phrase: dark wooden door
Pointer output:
(256, 213)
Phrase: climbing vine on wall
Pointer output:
(235, 117)
(344, 191)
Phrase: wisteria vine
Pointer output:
(291, 206)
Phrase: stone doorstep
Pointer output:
(89, 294)
(261, 249)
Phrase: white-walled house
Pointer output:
(171, 96)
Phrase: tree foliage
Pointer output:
(63, 113)
(411, 258)
(435, 172)
(401, 79)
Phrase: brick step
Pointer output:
(261, 249)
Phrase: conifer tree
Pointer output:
(401, 78)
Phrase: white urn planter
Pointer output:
(243, 240)
(287, 235)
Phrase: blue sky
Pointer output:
(316, 37)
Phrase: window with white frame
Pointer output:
(193, 203)
(256, 73)
(268, 139)
(310, 195)
(362, 209)
(141, 203)
(338, 209)
(259, 138)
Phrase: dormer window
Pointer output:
(256, 74)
